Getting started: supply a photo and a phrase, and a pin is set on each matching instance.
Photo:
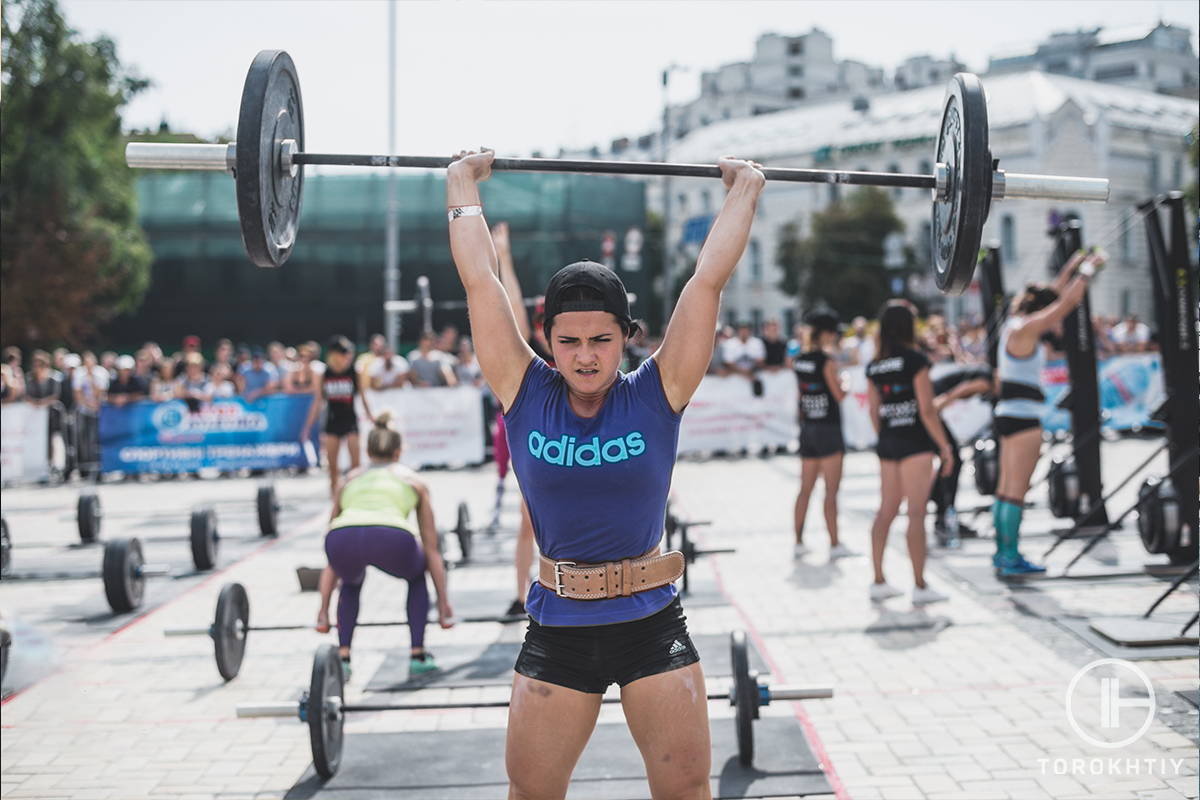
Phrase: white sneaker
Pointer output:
(840, 551)
(883, 591)
(800, 550)
(923, 597)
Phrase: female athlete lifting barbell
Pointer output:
(594, 450)
(1037, 311)
(369, 527)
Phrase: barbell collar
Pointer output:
(291, 709)
(163, 155)
(1049, 187)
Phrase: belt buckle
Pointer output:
(558, 576)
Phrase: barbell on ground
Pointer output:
(124, 571)
(268, 161)
(231, 627)
(323, 706)
(88, 514)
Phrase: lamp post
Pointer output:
(391, 266)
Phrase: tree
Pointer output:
(841, 264)
(72, 254)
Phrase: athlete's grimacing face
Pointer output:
(587, 347)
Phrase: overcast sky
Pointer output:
(520, 76)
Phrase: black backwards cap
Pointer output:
(591, 275)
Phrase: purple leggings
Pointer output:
(393, 550)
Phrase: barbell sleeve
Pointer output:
(154, 570)
(798, 693)
(291, 709)
(1049, 187)
(187, 632)
(164, 155)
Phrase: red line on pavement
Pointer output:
(806, 723)
(143, 617)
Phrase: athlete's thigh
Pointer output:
(810, 470)
(352, 448)
(916, 473)
(668, 717)
(332, 445)
(548, 727)
(890, 489)
(831, 471)
(1018, 456)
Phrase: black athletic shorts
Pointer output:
(821, 439)
(1007, 426)
(899, 446)
(340, 426)
(587, 658)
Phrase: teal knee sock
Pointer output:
(1006, 517)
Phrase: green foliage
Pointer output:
(72, 254)
(841, 264)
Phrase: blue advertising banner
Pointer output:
(1131, 388)
(226, 434)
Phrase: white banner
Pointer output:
(24, 436)
(441, 426)
(724, 415)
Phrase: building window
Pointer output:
(1117, 72)
(1058, 66)
(926, 167)
(756, 320)
(796, 47)
(796, 93)
(705, 202)
(897, 191)
(1156, 173)
(681, 199)
(796, 70)
(835, 192)
(1126, 302)
(755, 261)
(1177, 174)
(1008, 239)
(789, 321)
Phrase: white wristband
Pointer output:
(1087, 270)
(463, 211)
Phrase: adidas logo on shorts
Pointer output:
(676, 648)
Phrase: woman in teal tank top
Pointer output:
(1037, 311)
(370, 527)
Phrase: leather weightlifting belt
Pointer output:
(609, 579)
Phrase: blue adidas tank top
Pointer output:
(596, 486)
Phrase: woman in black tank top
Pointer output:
(337, 389)
(821, 442)
(902, 411)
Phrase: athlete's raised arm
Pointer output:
(502, 352)
(687, 345)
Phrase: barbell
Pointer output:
(231, 627)
(88, 514)
(268, 161)
(323, 706)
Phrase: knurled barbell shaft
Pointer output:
(292, 709)
(378, 624)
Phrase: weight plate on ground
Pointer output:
(986, 465)
(204, 538)
(1158, 515)
(5, 548)
(958, 218)
(230, 627)
(745, 697)
(268, 510)
(324, 713)
(124, 583)
(268, 195)
(1063, 488)
(87, 514)
(5, 644)
(462, 529)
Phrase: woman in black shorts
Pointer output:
(337, 389)
(902, 411)
(594, 450)
(821, 443)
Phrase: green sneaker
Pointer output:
(346, 671)
(419, 665)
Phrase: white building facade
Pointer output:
(1039, 123)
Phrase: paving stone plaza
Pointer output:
(963, 699)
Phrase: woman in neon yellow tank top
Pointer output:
(370, 526)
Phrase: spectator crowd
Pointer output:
(74, 386)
